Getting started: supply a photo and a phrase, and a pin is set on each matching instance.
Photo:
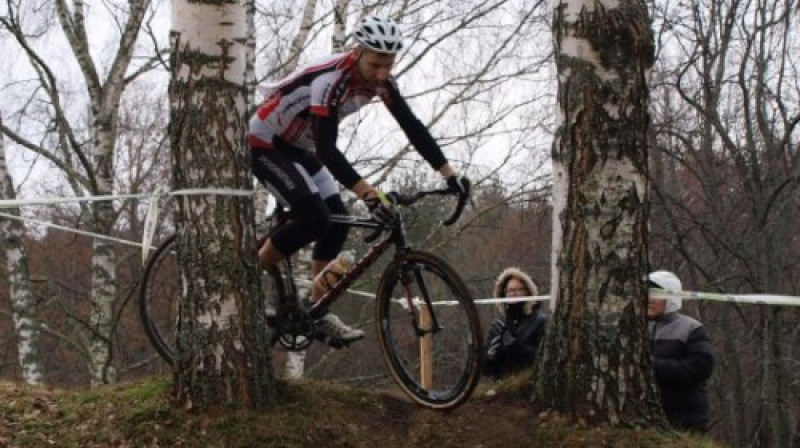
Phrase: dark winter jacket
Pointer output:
(683, 360)
(518, 332)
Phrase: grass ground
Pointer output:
(309, 414)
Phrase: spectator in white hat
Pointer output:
(682, 357)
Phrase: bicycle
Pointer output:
(428, 326)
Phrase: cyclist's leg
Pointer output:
(331, 242)
(286, 171)
(293, 186)
(327, 247)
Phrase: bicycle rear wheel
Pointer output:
(438, 369)
(159, 296)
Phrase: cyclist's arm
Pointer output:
(417, 133)
(326, 131)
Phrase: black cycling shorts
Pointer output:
(299, 180)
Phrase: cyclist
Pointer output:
(293, 135)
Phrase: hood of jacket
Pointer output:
(669, 282)
(502, 282)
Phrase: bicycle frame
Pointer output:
(394, 234)
(391, 233)
(397, 237)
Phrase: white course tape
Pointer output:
(152, 218)
(72, 230)
(513, 299)
(757, 299)
(12, 203)
(211, 191)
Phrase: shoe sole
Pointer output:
(336, 343)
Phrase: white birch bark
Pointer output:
(12, 233)
(595, 366)
(223, 356)
(560, 191)
(339, 37)
(299, 41)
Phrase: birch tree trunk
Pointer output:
(104, 97)
(339, 36)
(595, 366)
(299, 41)
(223, 357)
(12, 233)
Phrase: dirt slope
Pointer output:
(310, 414)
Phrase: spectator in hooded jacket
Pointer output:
(513, 340)
(682, 357)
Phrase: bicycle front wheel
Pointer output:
(432, 347)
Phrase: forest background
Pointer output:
(724, 170)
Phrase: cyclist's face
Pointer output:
(374, 67)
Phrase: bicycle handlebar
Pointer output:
(407, 200)
(410, 199)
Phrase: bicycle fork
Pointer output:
(422, 314)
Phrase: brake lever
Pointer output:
(404, 199)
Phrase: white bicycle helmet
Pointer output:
(379, 34)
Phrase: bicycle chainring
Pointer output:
(294, 328)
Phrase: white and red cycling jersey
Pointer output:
(304, 109)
